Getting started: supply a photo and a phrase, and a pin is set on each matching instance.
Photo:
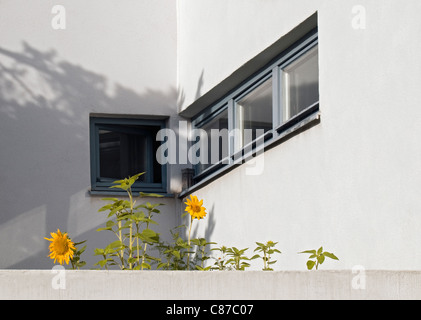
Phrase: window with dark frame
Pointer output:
(275, 99)
(124, 147)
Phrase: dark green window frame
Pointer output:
(144, 127)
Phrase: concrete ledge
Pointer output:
(216, 285)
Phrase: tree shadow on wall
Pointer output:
(45, 104)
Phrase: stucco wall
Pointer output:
(111, 58)
(352, 182)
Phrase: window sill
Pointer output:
(124, 193)
(302, 122)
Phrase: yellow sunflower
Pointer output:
(195, 208)
(61, 247)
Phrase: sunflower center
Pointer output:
(61, 246)
(196, 208)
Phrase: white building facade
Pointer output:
(328, 90)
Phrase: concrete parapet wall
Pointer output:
(194, 285)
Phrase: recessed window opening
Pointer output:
(124, 147)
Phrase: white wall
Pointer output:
(351, 183)
(111, 58)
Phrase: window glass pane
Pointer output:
(254, 111)
(217, 144)
(300, 84)
(127, 150)
(109, 154)
(121, 154)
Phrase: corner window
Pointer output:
(274, 102)
(124, 147)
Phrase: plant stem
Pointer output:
(146, 244)
(121, 240)
(131, 228)
(264, 259)
(188, 253)
(137, 244)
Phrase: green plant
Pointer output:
(267, 250)
(318, 256)
(237, 258)
(75, 261)
(175, 253)
(197, 211)
(131, 226)
(201, 254)
(221, 262)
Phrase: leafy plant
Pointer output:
(197, 211)
(221, 262)
(201, 254)
(267, 250)
(76, 262)
(237, 258)
(175, 253)
(130, 224)
(318, 256)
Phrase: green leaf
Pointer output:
(195, 241)
(110, 224)
(161, 265)
(321, 258)
(310, 264)
(176, 254)
(98, 252)
(101, 263)
(106, 207)
(146, 265)
(255, 257)
(109, 199)
(102, 229)
(114, 245)
(149, 235)
(308, 251)
(132, 260)
(330, 255)
(80, 251)
(78, 243)
(320, 250)
(143, 194)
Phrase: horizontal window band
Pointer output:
(307, 119)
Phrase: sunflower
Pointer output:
(195, 208)
(61, 247)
